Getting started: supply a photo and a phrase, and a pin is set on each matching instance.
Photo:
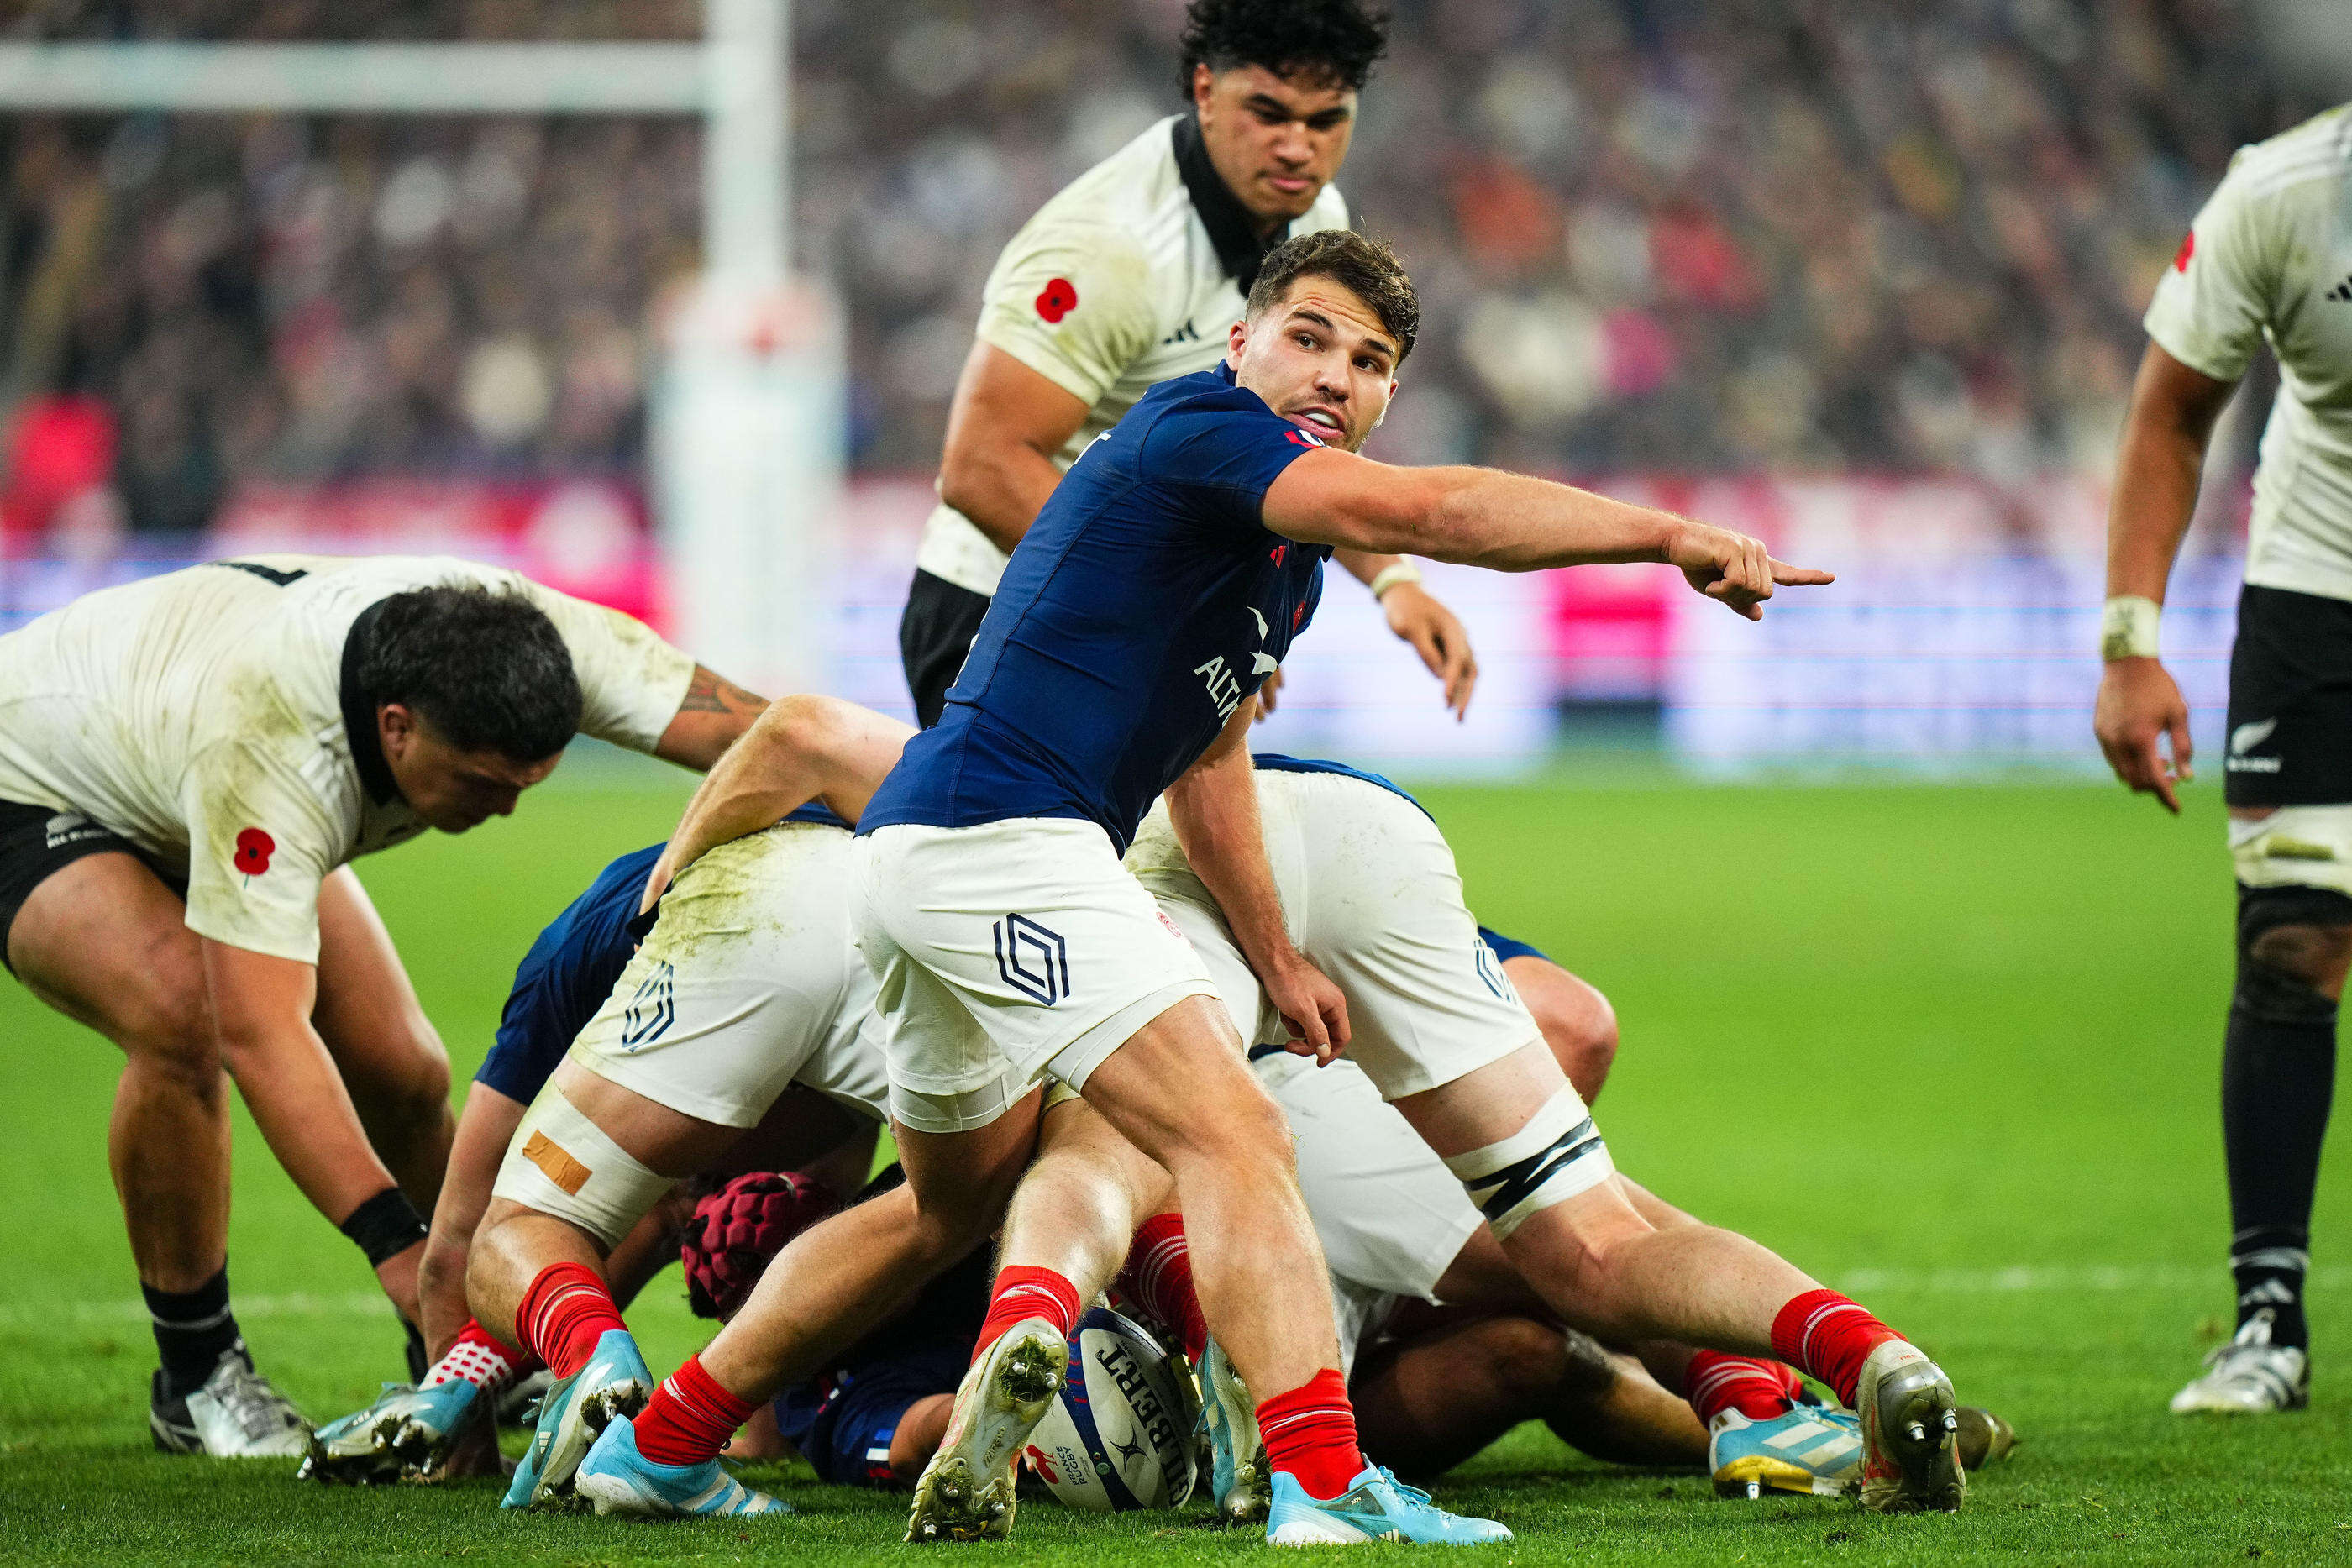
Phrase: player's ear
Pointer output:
(395, 726)
(1236, 340)
(1203, 84)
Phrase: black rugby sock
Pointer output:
(2278, 1075)
(194, 1329)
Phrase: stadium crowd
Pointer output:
(1685, 235)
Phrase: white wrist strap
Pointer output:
(1390, 576)
(2128, 628)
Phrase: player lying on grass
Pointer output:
(187, 764)
(439, 1429)
(1426, 981)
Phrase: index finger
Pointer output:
(1799, 576)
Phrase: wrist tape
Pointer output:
(2128, 628)
(383, 1226)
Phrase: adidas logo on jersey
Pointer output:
(2342, 291)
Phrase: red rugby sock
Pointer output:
(1757, 1388)
(1021, 1294)
(1159, 1275)
(1828, 1336)
(480, 1359)
(690, 1417)
(1311, 1433)
(563, 1315)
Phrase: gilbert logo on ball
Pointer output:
(1120, 1435)
(254, 849)
(1057, 299)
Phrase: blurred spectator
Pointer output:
(1681, 234)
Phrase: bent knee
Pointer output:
(1577, 1024)
(167, 1029)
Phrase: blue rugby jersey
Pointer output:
(570, 970)
(1146, 601)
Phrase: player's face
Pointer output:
(1276, 143)
(1321, 359)
(452, 790)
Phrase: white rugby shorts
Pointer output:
(1005, 952)
(1371, 897)
(748, 983)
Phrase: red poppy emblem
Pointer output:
(2188, 248)
(1060, 297)
(254, 849)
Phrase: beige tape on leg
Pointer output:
(561, 1164)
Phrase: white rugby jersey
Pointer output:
(1132, 274)
(202, 715)
(2270, 257)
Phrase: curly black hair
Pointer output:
(1337, 41)
(485, 666)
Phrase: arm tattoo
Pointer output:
(710, 692)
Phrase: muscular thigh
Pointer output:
(104, 941)
(367, 1012)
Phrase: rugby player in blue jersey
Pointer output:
(1120, 659)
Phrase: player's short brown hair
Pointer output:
(1364, 267)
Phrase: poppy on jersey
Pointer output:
(254, 849)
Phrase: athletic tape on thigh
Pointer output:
(561, 1164)
(2295, 846)
(1555, 1155)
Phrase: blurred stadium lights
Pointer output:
(747, 421)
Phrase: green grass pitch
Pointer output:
(1952, 1049)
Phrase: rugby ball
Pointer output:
(1120, 1436)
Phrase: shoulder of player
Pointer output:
(2319, 148)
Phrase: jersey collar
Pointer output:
(359, 714)
(1232, 234)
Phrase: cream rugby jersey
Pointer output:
(2270, 258)
(210, 716)
(1129, 277)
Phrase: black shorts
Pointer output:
(2289, 741)
(37, 841)
(934, 635)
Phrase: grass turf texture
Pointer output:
(1953, 1049)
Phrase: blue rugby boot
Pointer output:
(407, 1432)
(614, 1382)
(1375, 1506)
(617, 1478)
(1806, 1448)
(1237, 1468)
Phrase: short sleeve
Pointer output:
(1221, 454)
(631, 680)
(2221, 289)
(1073, 302)
(259, 843)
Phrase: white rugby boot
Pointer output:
(2249, 1376)
(966, 1492)
(238, 1414)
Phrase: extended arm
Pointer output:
(261, 1013)
(803, 749)
(1509, 522)
(1214, 808)
(1005, 428)
(713, 713)
(485, 1128)
(2156, 471)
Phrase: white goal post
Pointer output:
(747, 406)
